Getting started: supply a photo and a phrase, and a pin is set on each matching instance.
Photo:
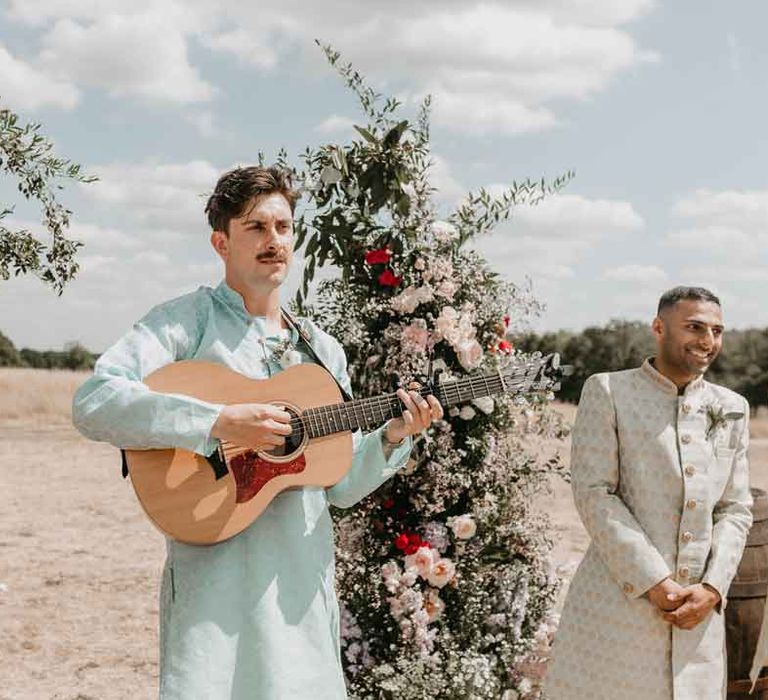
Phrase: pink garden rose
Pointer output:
(443, 571)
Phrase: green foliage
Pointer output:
(27, 156)
(9, 355)
(374, 192)
(74, 356)
(741, 366)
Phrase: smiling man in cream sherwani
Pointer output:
(660, 480)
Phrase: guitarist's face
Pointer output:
(258, 248)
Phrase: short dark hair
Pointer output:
(682, 293)
(237, 187)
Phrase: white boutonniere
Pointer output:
(284, 354)
(290, 356)
(718, 418)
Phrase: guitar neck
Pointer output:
(367, 414)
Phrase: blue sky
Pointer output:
(659, 107)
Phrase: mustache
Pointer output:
(279, 256)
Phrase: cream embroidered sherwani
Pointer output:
(659, 497)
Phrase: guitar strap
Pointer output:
(307, 338)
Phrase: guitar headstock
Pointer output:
(536, 374)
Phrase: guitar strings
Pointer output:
(325, 418)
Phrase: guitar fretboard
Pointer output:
(369, 413)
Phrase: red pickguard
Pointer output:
(252, 473)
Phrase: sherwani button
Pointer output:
(683, 572)
(686, 408)
(690, 504)
(685, 439)
(628, 587)
(687, 536)
(690, 470)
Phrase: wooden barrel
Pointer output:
(746, 601)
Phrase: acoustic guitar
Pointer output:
(205, 500)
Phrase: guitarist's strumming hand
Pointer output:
(418, 415)
(252, 425)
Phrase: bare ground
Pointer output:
(80, 564)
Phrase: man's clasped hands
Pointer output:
(683, 606)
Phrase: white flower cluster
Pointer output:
(356, 651)
(464, 526)
(408, 606)
(411, 297)
(459, 332)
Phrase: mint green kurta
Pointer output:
(256, 617)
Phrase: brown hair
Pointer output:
(237, 187)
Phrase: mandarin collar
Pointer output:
(234, 301)
(666, 384)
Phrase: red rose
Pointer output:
(506, 347)
(401, 541)
(389, 279)
(375, 257)
(412, 548)
(387, 503)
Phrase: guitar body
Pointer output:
(183, 494)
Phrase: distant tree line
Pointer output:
(741, 366)
(74, 356)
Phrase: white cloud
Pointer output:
(102, 238)
(247, 45)
(204, 121)
(551, 244)
(159, 195)
(492, 67)
(335, 124)
(573, 216)
(643, 274)
(593, 12)
(738, 208)
(449, 190)
(26, 87)
(706, 275)
(729, 225)
(724, 241)
(136, 55)
(734, 52)
(557, 233)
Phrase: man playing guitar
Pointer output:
(254, 616)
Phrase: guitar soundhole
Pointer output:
(252, 471)
(293, 441)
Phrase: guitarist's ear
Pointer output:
(220, 243)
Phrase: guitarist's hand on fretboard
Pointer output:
(256, 425)
(418, 414)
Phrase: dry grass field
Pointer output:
(79, 563)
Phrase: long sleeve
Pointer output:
(115, 406)
(625, 549)
(732, 517)
(370, 467)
